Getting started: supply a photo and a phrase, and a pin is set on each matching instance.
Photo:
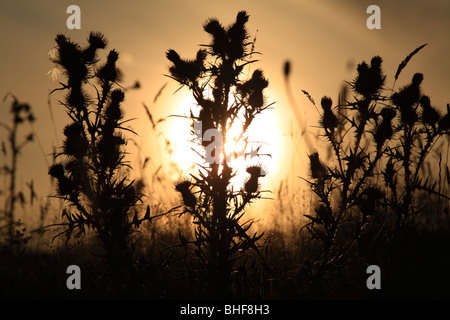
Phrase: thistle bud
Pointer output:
(329, 119)
(370, 79)
(113, 111)
(65, 185)
(429, 114)
(109, 72)
(252, 184)
(56, 170)
(76, 143)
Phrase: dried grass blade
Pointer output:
(403, 64)
(309, 97)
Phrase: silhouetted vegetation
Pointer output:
(375, 190)
(14, 235)
(92, 174)
(380, 189)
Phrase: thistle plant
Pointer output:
(91, 171)
(380, 139)
(224, 98)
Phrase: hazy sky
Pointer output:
(321, 39)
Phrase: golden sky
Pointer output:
(320, 38)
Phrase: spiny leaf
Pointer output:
(403, 64)
(311, 218)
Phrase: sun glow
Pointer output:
(259, 146)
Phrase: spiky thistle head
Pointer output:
(109, 72)
(70, 58)
(77, 98)
(56, 170)
(220, 39)
(388, 113)
(429, 115)
(384, 131)
(237, 34)
(369, 80)
(256, 171)
(113, 111)
(317, 168)
(406, 98)
(76, 143)
(173, 56)
(252, 183)
(329, 120)
(96, 41)
(184, 70)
